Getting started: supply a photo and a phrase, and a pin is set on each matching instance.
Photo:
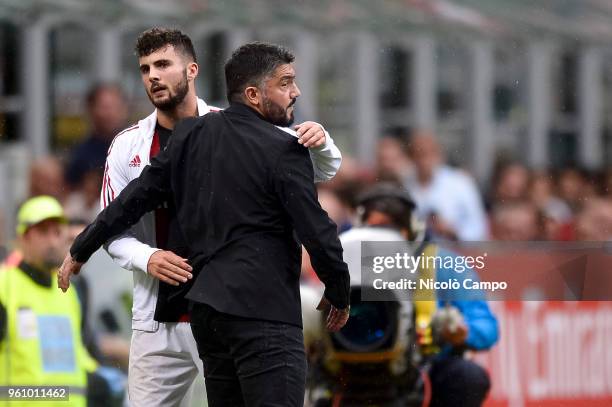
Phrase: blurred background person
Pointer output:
(594, 221)
(447, 197)
(392, 161)
(510, 183)
(108, 111)
(337, 210)
(542, 194)
(556, 215)
(84, 203)
(571, 184)
(516, 221)
(456, 381)
(47, 177)
(40, 328)
(53, 329)
(446, 329)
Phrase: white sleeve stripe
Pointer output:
(111, 190)
(103, 192)
(108, 192)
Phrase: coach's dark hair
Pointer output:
(159, 37)
(250, 64)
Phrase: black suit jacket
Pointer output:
(242, 189)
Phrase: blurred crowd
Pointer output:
(74, 180)
(517, 203)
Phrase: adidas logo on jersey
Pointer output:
(135, 161)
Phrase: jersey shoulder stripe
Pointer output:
(126, 131)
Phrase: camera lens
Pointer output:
(370, 327)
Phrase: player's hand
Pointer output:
(68, 268)
(336, 318)
(169, 268)
(310, 134)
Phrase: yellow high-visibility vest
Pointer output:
(43, 344)
(425, 304)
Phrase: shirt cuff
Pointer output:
(141, 259)
(325, 145)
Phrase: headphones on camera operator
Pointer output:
(390, 205)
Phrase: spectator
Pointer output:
(542, 194)
(570, 185)
(455, 380)
(510, 183)
(392, 161)
(40, 328)
(516, 221)
(556, 214)
(335, 208)
(47, 177)
(84, 203)
(448, 197)
(594, 221)
(107, 109)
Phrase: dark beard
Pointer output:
(277, 115)
(173, 101)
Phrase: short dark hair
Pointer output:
(250, 64)
(390, 199)
(158, 37)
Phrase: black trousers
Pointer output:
(249, 362)
(458, 382)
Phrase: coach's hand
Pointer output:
(310, 134)
(336, 318)
(169, 268)
(69, 267)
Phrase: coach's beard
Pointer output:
(278, 115)
(173, 100)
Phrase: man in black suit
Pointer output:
(242, 189)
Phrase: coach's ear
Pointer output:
(252, 96)
(192, 71)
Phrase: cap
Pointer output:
(38, 209)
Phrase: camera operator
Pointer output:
(445, 330)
